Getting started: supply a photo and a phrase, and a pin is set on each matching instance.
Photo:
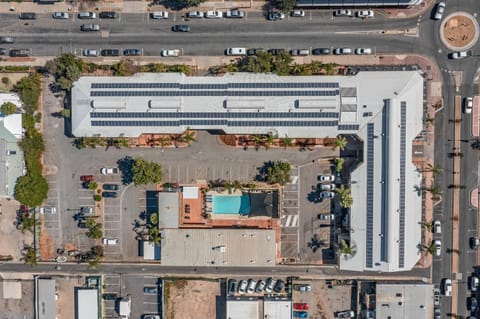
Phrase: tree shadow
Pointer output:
(125, 165)
(263, 170)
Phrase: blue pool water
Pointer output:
(231, 204)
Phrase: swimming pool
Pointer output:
(231, 204)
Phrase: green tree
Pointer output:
(31, 189)
(345, 197)
(286, 141)
(434, 169)
(237, 185)
(29, 90)
(278, 172)
(92, 185)
(145, 172)
(340, 142)
(67, 69)
(434, 190)
(29, 222)
(90, 222)
(95, 232)
(8, 108)
(427, 225)
(282, 63)
(30, 256)
(347, 250)
(65, 113)
(188, 136)
(287, 5)
(339, 164)
(153, 219)
(97, 198)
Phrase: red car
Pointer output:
(86, 178)
(301, 306)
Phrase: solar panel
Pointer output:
(370, 174)
(213, 93)
(205, 122)
(228, 115)
(403, 149)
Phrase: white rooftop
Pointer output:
(168, 209)
(190, 192)
(241, 309)
(218, 247)
(86, 303)
(45, 304)
(277, 309)
(404, 301)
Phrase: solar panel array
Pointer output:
(403, 163)
(218, 86)
(370, 174)
(218, 115)
(218, 123)
(348, 127)
(214, 93)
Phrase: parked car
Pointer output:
(3, 51)
(323, 195)
(275, 51)
(7, 40)
(326, 216)
(270, 285)
(468, 105)
(109, 194)
(273, 16)
(48, 210)
(438, 247)
(110, 187)
(437, 313)
(214, 14)
(19, 53)
(110, 241)
(279, 286)
(326, 187)
(439, 10)
(242, 286)
(300, 52)
(472, 304)
(251, 286)
(447, 287)
(159, 15)
(86, 178)
(86, 210)
(61, 259)
(302, 287)
(181, 28)
(301, 306)
(364, 14)
(474, 242)
(27, 16)
(170, 53)
(298, 13)
(326, 178)
(60, 15)
(110, 296)
(458, 55)
(255, 51)
(300, 314)
(363, 51)
(437, 227)
(343, 13)
(260, 286)
(236, 51)
(151, 317)
(321, 51)
(436, 297)
(235, 14)
(87, 15)
(109, 170)
(346, 314)
(132, 52)
(195, 14)
(110, 52)
(473, 283)
(90, 27)
(232, 286)
(150, 290)
(90, 52)
(108, 15)
(342, 51)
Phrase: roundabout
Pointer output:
(459, 31)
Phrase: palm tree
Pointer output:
(437, 169)
(286, 141)
(164, 141)
(269, 140)
(237, 185)
(434, 190)
(429, 249)
(188, 136)
(315, 66)
(427, 225)
(340, 142)
(258, 139)
(330, 68)
(347, 250)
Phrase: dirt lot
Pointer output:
(192, 299)
(18, 308)
(13, 240)
(66, 295)
(13, 78)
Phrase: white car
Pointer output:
(459, 55)
(468, 105)
(447, 287)
(90, 52)
(109, 170)
(251, 286)
(60, 15)
(365, 14)
(159, 15)
(439, 11)
(61, 259)
(343, 13)
(48, 210)
(235, 14)
(326, 187)
(437, 227)
(214, 14)
(326, 178)
(298, 13)
(242, 286)
(170, 53)
(473, 283)
(438, 247)
(323, 195)
(110, 241)
(195, 14)
(342, 51)
(236, 51)
(363, 51)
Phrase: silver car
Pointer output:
(439, 11)
(242, 287)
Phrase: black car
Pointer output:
(276, 51)
(132, 52)
(110, 187)
(474, 242)
(321, 51)
(279, 286)
(82, 225)
(110, 52)
(19, 53)
(181, 28)
(109, 194)
(110, 296)
(472, 304)
(3, 51)
(232, 286)
(27, 16)
(108, 15)
(273, 16)
(255, 51)
(7, 40)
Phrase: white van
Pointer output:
(87, 15)
(236, 51)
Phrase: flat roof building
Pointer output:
(383, 108)
(218, 247)
(168, 209)
(45, 304)
(277, 309)
(404, 301)
(86, 303)
(241, 309)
